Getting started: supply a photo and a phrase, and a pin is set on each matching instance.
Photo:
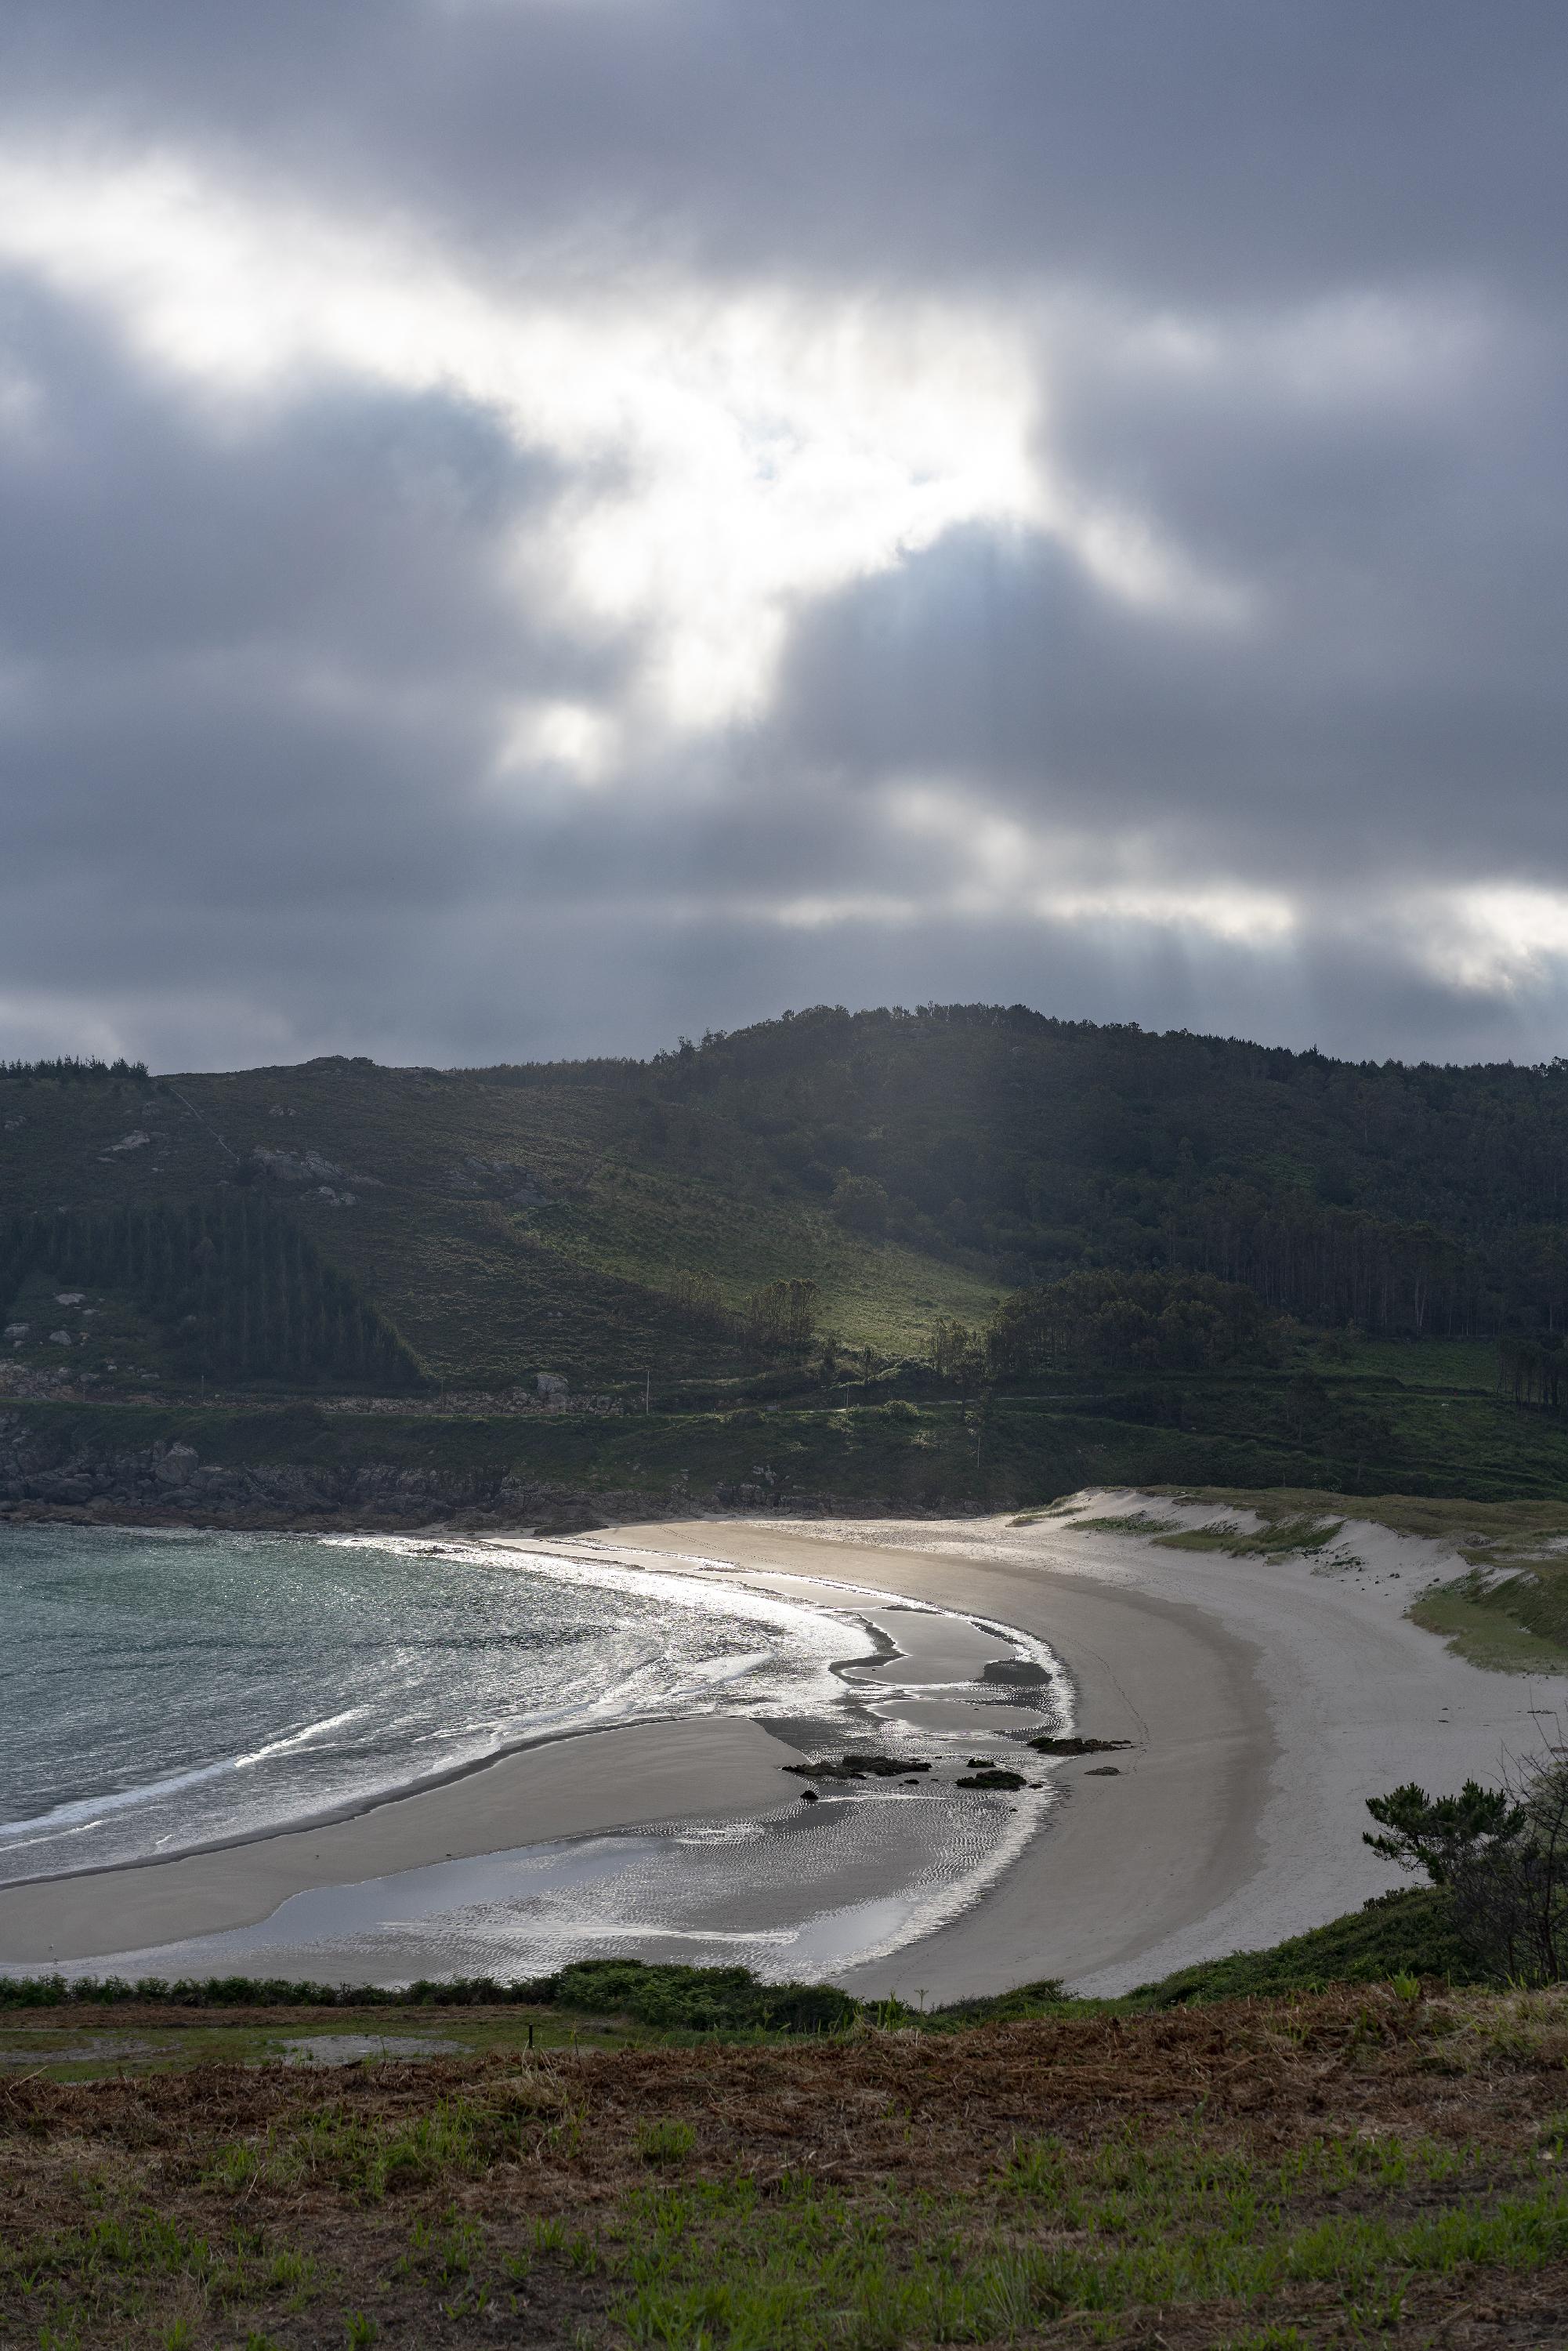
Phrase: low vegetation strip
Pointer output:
(1508, 1609)
(1366, 2165)
(1407, 1935)
(300, 1464)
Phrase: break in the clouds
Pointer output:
(527, 526)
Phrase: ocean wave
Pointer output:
(456, 1677)
(84, 1810)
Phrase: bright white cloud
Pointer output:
(571, 736)
(984, 866)
(1237, 913)
(1496, 938)
(735, 452)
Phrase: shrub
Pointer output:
(699, 2000)
(697, 1298)
(784, 1314)
(860, 1203)
(1502, 1858)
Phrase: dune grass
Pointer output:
(1509, 1613)
(1489, 1623)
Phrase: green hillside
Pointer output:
(1416, 1199)
(611, 1222)
(501, 1230)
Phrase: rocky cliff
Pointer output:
(48, 1474)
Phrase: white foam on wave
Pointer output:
(814, 1918)
(84, 1810)
(674, 1648)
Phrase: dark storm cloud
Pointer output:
(1288, 280)
(1397, 676)
(1219, 145)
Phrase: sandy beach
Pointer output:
(1262, 1701)
(706, 1768)
(1266, 1699)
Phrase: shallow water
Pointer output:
(163, 1691)
(793, 1893)
(160, 1691)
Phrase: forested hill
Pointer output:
(1407, 1197)
(618, 1220)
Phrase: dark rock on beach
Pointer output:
(857, 1767)
(1078, 1746)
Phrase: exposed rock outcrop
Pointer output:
(45, 1473)
(59, 1465)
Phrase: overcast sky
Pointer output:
(528, 527)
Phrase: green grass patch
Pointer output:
(1281, 1538)
(1459, 1366)
(1509, 1613)
(1131, 1522)
(1489, 1623)
(1147, 2222)
(368, 2159)
(104, 2282)
(1407, 1933)
(1458, 1519)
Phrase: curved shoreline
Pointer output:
(1122, 1862)
(1273, 1696)
(622, 1778)
(548, 1787)
(353, 1808)
(1264, 1701)
(365, 1801)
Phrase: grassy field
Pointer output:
(1377, 2163)
(1453, 1366)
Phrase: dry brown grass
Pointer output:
(500, 2199)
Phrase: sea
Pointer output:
(166, 1691)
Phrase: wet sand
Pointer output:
(706, 1768)
(1124, 1861)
